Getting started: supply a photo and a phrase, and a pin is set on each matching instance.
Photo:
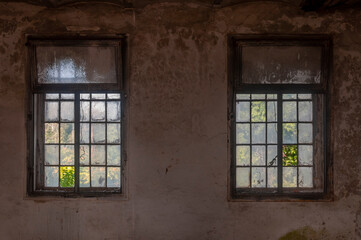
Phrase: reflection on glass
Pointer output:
(51, 132)
(258, 133)
(258, 155)
(51, 176)
(51, 96)
(243, 155)
(113, 96)
(98, 111)
(113, 155)
(289, 133)
(113, 133)
(67, 155)
(242, 131)
(113, 111)
(113, 177)
(84, 177)
(289, 111)
(84, 111)
(242, 111)
(67, 111)
(67, 132)
(258, 111)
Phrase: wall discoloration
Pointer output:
(177, 125)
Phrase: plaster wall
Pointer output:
(177, 126)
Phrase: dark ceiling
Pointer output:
(307, 5)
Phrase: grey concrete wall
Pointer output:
(177, 126)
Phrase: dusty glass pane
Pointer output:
(98, 111)
(51, 176)
(51, 154)
(281, 64)
(289, 177)
(289, 111)
(271, 96)
(98, 176)
(258, 155)
(258, 177)
(67, 176)
(258, 96)
(51, 111)
(84, 177)
(272, 155)
(98, 133)
(305, 111)
(85, 96)
(271, 133)
(113, 133)
(289, 133)
(305, 96)
(84, 154)
(67, 96)
(305, 154)
(272, 177)
(242, 111)
(98, 96)
(243, 155)
(67, 155)
(51, 133)
(242, 178)
(113, 111)
(67, 64)
(243, 96)
(113, 96)
(84, 111)
(51, 96)
(113, 155)
(272, 111)
(84, 132)
(67, 133)
(305, 178)
(258, 133)
(67, 111)
(305, 133)
(289, 155)
(258, 111)
(113, 177)
(98, 154)
(242, 133)
(289, 96)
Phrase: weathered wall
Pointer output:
(177, 126)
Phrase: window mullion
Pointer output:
(77, 140)
(279, 142)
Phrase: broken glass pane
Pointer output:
(272, 155)
(272, 111)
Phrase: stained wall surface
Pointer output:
(177, 127)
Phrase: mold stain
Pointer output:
(305, 233)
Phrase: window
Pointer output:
(75, 116)
(278, 112)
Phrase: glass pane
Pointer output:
(242, 111)
(272, 177)
(84, 177)
(67, 176)
(98, 176)
(258, 96)
(242, 178)
(305, 96)
(258, 155)
(305, 177)
(67, 132)
(98, 133)
(51, 111)
(305, 133)
(281, 64)
(272, 111)
(258, 133)
(289, 177)
(85, 96)
(272, 155)
(305, 111)
(113, 111)
(51, 176)
(98, 96)
(67, 111)
(113, 177)
(289, 111)
(113, 132)
(306, 154)
(289, 96)
(113, 96)
(243, 96)
(84, 154)
(51, 133)
(68, 64)
(84, 111)
(289, 133)
(258, 111)
(67, 155)
(272, 133)
(258, 177)
(243, 155)
(98, 154)
(113, 155)
(271, 96)
(52, 96)
(289, 155)
(242, 133)
(84, 132)
(51, 154)
(67, 96)
(98, 111)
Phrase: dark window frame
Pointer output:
(235, 85)
(117, 41)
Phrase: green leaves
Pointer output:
(289, 155)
